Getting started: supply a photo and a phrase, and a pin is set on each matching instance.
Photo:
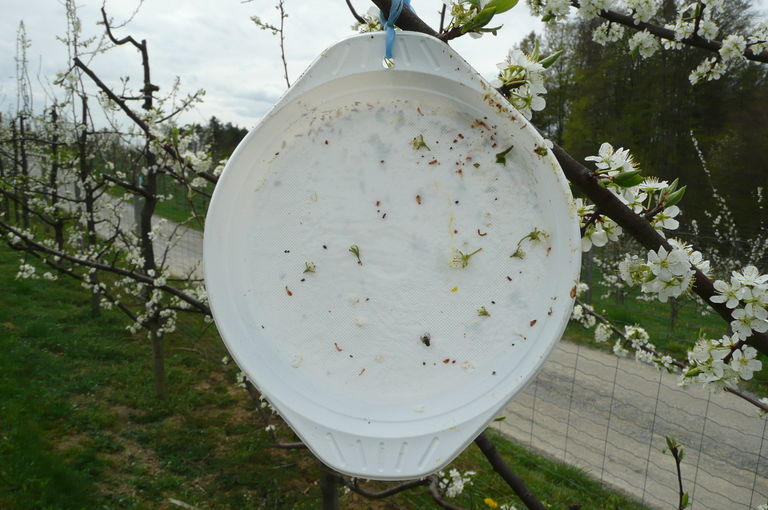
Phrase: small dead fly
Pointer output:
(288, 291)
(426, 339)
(533, 322)
(418, 199)
(337, 347)
(482, 312)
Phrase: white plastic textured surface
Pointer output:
(388, 366)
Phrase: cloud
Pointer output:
(210, 45)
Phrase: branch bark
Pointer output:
(408, 20)
(665, 33)
(354, 486)
(516, 483)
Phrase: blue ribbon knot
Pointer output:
(389, 23)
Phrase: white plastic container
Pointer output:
(387, 366)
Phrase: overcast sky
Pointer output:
(214, 45)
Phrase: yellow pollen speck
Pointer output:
(454, 289)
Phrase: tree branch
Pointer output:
(359, 18)
(111, 95)
(434, 490)
(408, 20)
(104, 267)
(665, 33)
(516, 483)
(642, 230)
(354, 486)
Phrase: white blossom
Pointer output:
(26, 271)
(607, 33)
(708, 29)
(733, 48)
(591, 8)
(665, 219)
(744, 363)
(644, 43)
(525, 78)
(611, 162)
(453, 484)
(643, 10)
(730, 294)
(550, 9)
(603, 332)
(748, 319)
(710, 69)
(758, 40)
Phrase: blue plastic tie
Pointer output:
(389, 23)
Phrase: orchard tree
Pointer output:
(66, 209)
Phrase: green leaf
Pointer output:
(500, 418)
(675, 197)
(501, 157)
(501, 5)
(671, 443)
(548, 61)
(483, 18)
(672, 187)
(684, 500)
(628, 179)
(493, 30)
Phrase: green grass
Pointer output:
(178, 209)
(80, 428)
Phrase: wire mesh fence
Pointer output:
(609, 416)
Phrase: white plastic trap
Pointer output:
(388, 364)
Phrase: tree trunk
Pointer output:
(329, 484)
(158, 360)
(53, 181)
(24, 174)
(89, 199)
(15, 172)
